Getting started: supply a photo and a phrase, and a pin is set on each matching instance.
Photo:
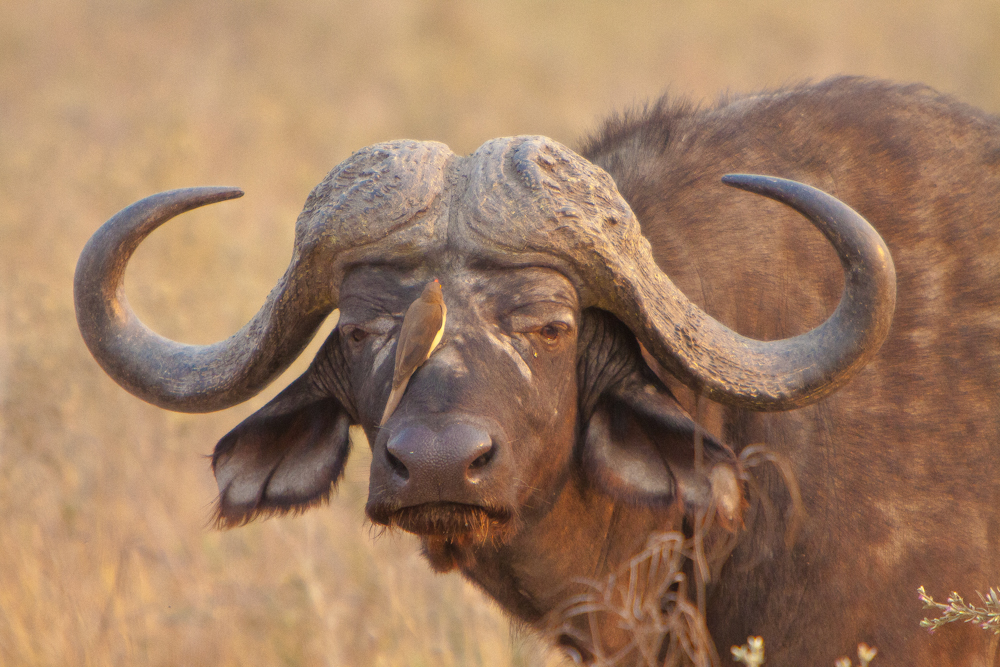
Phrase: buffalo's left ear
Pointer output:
(639, 446)
(285, 457)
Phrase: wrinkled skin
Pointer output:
(562, 370)
(514, 329)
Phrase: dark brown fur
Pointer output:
(538, 453)
(899, 470)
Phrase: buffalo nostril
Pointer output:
(397, 466)
(482, 460)
(405, 450)
(470, 448)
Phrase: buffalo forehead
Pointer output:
(518, 200)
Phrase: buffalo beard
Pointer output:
(450, 532)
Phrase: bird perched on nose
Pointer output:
(423, 326)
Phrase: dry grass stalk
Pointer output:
(648, 600)
(957, 609)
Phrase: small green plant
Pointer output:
(752, 654)
(956, 609)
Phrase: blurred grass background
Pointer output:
(105, 557)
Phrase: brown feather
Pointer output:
(423, 326)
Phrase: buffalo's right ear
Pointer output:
(287, 456)
(639, 445)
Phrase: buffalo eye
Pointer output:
(550, 333)
(355, 334)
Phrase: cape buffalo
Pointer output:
(579, 401)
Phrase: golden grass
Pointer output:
(647, 599)
(105, 557)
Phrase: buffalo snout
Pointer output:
(445, 468)
(443, 462)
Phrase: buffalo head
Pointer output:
(539, 382)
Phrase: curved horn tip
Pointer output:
(209, 194)
(230, 192)
(761, 184)
(192, 198)
(806, 199)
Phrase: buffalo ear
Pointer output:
(639, 446)
(287, 456)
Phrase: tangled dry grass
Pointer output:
(105, 556)
(657, 600)
(649, 600)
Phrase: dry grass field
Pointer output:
(105, 553)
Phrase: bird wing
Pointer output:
(414, 347)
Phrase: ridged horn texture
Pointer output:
(570, 210)
(516, 201)
(366, 197)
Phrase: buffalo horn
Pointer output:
(768, 375)
(566, 212)
(368, 198)
(186, 378)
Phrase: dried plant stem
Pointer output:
(956, 609)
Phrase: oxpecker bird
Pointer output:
(423, 326)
